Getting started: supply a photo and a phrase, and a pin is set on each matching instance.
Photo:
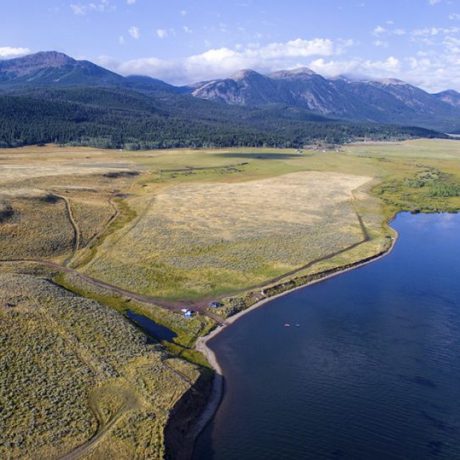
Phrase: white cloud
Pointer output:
(134, 32)
(379, 30)
(454, 16)
(9, 51)
(425, 32)
(379, 69)
(434, 63)
(391, 65)
(434, 2)
(121, 40)
(432, 71)
(187, 30)
(297, 48)
(168, 70)
(221, 62)
(183, 12)
(431, 37)
(81, 9)
(130, 2)
(162, 33)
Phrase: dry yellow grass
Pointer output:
(77, 375)
(192, 224)
(199, 239)
(92, 211)
(35, 185)
(414, 149)
(34, 227)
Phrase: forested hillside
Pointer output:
(121, 119)
(50, 97)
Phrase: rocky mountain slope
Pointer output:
(383, 101)
(298, 105)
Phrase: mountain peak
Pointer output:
(32, 63)
(43, 58)
(245, 74)
(392, 82)
(352, 77)
(293, 73)
(450, 97)
(449, 92)
(53, 68)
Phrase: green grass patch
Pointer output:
(187, 329)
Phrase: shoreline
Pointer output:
(201, 345)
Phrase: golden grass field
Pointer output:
(180, 226)
(196, 240)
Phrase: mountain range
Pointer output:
(382, 101)
(292, 101)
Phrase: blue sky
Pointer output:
(182, 41)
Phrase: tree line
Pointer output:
(111, 118)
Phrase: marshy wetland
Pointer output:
(88, 235)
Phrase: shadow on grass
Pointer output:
(185, 417)
(260, 156)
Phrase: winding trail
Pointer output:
(76, 228)
(114, 216)
(201, 305)
(95, 282)
(115, 290)
(104, 426)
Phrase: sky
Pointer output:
(185, 41)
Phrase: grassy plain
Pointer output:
(209, 223)
(198, 240)
(176, 225)
(74, 371)
(418, 176)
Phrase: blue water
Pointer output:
(371, 372)
(151, 328)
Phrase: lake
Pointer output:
(152, 329)
(369, 367)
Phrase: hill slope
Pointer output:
(50, 97)
(450, 97)
(386, 101)
(53, 69)
(120, 118)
